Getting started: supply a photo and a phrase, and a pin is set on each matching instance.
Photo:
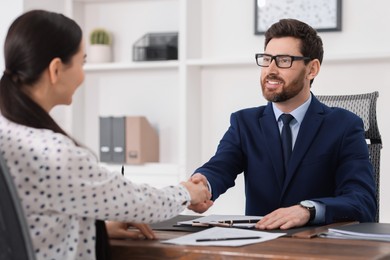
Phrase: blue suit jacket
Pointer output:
(329, 163)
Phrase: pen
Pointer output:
(225, 238)
(239, 221)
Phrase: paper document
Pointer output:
(364, 231)
(239, 221)
(219, 236)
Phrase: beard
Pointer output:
(287, 92)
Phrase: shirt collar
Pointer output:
(298, 113)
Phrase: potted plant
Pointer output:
(100, 48)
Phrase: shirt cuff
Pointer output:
(209, 187)
(186, 201)
(320, 213)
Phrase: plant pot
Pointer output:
(99, 53)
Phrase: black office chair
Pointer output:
(363, 105)
(15, 240)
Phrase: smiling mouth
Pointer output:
(273, 82)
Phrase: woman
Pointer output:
(61, 185)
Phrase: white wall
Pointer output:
(9, 9)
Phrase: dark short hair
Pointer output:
(311, 43)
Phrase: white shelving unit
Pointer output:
(124, 87)
(158, 90)
(188, 100)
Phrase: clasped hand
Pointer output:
(202, 205)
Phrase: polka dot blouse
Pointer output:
(63, 191)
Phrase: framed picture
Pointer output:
(322, 15)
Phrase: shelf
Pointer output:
(373, 56)
(96, 67)
(248, 61)
(156, 174)
(146, 65)
(221, 62)
(165, 169)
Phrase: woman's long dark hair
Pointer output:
(33, 40)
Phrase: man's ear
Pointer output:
(55, 70)
(314, 69)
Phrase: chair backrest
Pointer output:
(363, 105)
(15, 240)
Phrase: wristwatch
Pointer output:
(307, 204)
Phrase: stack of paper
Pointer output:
(219, 236)
(238, 221)
(364, 231)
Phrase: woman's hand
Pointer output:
(121, 230)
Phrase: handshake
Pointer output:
(199, 192)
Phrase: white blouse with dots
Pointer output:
(63, 190)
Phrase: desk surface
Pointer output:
(281, 248)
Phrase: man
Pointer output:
(325, 175)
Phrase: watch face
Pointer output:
(307, 204)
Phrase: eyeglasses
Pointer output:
(282, 61)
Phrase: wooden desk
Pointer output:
(281, 248)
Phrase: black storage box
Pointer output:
(156, 46)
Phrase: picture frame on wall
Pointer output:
(322, 15)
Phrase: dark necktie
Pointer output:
(286, 138)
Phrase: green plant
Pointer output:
(100, 36)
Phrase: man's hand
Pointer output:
(121, 230)
(285, 218)
(198, 177)
(201, 206)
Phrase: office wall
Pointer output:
(356, 60)
(8, 11)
